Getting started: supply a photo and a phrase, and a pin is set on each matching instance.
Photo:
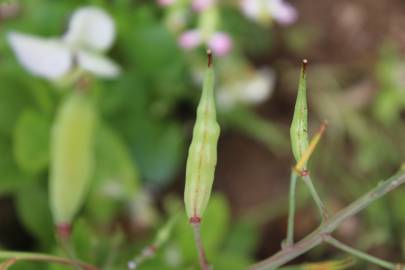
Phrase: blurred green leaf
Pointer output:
(147, 35)
(242, 238)
(215, 224)
(116, 176)
(101, 208)
(83, 239)
(232, 261)
(159, 149)
(11, 178)
(14, 98)
(114, 163)
(31, 141)
(31, 266)
(391, 96)
(33, 210)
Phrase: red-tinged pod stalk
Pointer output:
(72, 159)
(202, 155)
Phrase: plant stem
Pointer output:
(26, 256)
(200, 248)
(362, 255)
(291, 209)
(321, 207)
(318, 236)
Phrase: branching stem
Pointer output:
(357, 253)
(26, 256)
(312, 190)
(321, 234)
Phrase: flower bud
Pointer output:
(202, 155)
(299, 125)
(72, 157)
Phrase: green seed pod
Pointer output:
(299, 125)
(72, 157)
(202, 155)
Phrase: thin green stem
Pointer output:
(321, 207)
(26, 256)
(362, 255)
(318, 236)
(291, 209)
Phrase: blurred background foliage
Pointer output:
(356, 82)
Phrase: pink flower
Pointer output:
(220, 43)
(165, 3)
(265, 10)
(282, 12)
(190, 39)
(201, 5)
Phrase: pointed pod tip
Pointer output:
(304, 65)
(209, 55)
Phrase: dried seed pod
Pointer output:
(72, 157)
(202, 155)
(299, 125)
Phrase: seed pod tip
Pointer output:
(304, 65)
(209, 55)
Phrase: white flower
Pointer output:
(254, 89)
(91, 32)
(263, 11)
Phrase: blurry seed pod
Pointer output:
(72, 156)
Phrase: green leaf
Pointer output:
(159, 150)
(31, 141)
(228, 261)
(33, 210)
(243, 237)
(114, 163)
(147, 35)
(14, 98)
(116, 176)
(83, 238)
(11, 178)
(215, 224)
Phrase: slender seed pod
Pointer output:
(299, 125)
(202, 155)
(72, 157)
